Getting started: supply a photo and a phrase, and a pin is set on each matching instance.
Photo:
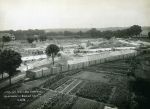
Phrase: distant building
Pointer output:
(11, 36)
(34, 51)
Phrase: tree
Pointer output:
(149, 34)
(5, 39)
(52, 50)
(68, 33)
(93, 32)
(30, 39)
(80, 33)
(10, 61)
(1, 68)
(42, 37)
(107, 34)
(135, 30)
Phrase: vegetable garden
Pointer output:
(96, 91)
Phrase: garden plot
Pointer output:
(108, 70)
(122, 62)
(115, 70)
(59, 83)
(116, 63)
(42, 99)
(60, 102)
(99, 86)
(63, 86)
(83, 103)
(86, 88)
(65, 101)
(71, 86)
(68, 86)
(52, 80)
(122, 67)
(96, 91)
(92, 76)
(101, 76)
(117, 67)
(120, 97)
(114, 66)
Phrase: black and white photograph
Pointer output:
(74, 54)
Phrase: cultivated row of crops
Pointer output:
(96, 91)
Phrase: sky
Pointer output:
(44, 14)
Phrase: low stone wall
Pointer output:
(96, 60)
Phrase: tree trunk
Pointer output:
(2, 45)
(53, 58)
(2, 75)
(9, 80)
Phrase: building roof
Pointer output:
(33, 57)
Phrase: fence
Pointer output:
(98, 60)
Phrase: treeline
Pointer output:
(124, 33)
(24, 34)
(93, 33)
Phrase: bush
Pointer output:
(49, 82)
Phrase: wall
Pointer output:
(97, 60)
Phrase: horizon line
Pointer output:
(72, 28)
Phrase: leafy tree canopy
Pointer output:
(42, 37)
(135, 30)
(6, 39)
(149, 34)
(52, 49)
(1, 68)
(10, 61)
(30, 39)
